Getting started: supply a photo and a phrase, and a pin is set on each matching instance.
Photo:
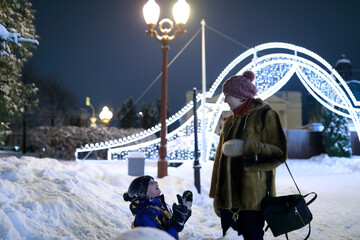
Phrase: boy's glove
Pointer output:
(179, 217)
(186, 199)
(182, 211)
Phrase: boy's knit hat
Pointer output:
(240, 86)
(138, 188)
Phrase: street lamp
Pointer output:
(105, 115)
(93, 118)
(181, 11)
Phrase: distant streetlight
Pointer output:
(93, 118)
(181, 11)
(105, 115)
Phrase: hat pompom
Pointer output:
(240, 86)
(250, 75)
(126, 197)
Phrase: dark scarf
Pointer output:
(242, 109)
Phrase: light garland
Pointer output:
(273, 71)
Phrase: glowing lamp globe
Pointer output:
(181, 12)
(105, 115)
(151, 13)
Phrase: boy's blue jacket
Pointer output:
(152, 212)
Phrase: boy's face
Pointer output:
(153, 189)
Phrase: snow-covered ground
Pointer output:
(50, 199)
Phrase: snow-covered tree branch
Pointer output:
(11, 37)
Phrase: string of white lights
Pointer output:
(273, 71)
(186, 130)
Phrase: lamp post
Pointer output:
(93, 118)
(181, 11)
(105, 115)
(197, 165)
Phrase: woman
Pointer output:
(252, 142)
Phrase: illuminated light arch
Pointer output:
(277, 63)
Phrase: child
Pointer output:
(150, 209)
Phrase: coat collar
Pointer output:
(138, 204)
(253, 105)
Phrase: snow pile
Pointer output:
(44, 199)
(145, 233)
(51, 199)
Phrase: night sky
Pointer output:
(98, 48)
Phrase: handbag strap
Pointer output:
(268, 182)
(308, 203)
(263, 116)
(307, 236)
(313, 199)
(287, 166)
(286, 234)
(269, 173)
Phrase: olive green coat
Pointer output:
(241, 182)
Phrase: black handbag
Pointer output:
(284, 214)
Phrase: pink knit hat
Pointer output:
(240, 86)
